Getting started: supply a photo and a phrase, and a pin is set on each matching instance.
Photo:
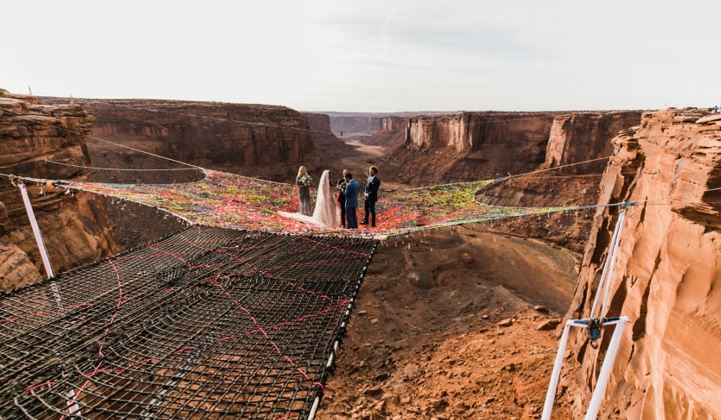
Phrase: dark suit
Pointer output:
(341, 200)
(372, 187)
(351, 203)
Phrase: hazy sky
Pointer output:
(348, 55)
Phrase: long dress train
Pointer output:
(326, 212)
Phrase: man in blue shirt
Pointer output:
(351, 201)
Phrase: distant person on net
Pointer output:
(303, 181)
(351, 201)
(340, 186)
(371, 196)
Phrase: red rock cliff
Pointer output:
(319, 123)
(470, 145)
(474, 145)
(354, 123)
(391, 132)
(481, 145)
(582, 136)
(76, 228)
(255, 140)
(668, 273)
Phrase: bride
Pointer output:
(325, 213)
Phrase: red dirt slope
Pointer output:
(448, 330)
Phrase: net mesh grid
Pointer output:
(205, 323)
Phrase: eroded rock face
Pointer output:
(582, 136)
(474, 145)
(391, 132)
(319, 123)
(471, 146)
(474, 131)
(76, 228)
(668, 274)
(256, 140)
(354, 123)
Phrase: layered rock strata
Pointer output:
(76, 228)
(584, 136)
(478, 145)
(475, 145)
(391, 133)
(255, 140)
(668, 273)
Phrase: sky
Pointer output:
(370, 55)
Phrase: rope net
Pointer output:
(205, 323)
(237, 202)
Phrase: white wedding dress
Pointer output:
(326, 212)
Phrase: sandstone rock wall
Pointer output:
(582, 136)
(393, 124)
(354, 123)
(474, 145)
(76, 228)
(391, 132)
(255, 140)
(668, 275)
(319, 123)
(470, 146)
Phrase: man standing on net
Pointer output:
(371, 196)
(351, 201)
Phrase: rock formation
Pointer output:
(582, 136)
(391, 132)
(365, 124)
(479, 145)
(354, 123)
(471, 145)
(474, 145)
(668, 274)
(255, 140)
(319, 123)
(76, 228)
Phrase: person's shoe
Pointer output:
(364, 223)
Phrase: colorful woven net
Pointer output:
(233, 201)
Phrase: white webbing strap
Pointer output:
(603, 292)
(36, 230)
(73, 408)
(604, 285)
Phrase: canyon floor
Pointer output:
(453, 325)
(356, 156)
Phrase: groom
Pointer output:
(371, 196)
(351, 200)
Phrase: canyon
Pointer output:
(478, 145)
(444, 319)
(260, 140)
(470, 146)
(391, 132)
